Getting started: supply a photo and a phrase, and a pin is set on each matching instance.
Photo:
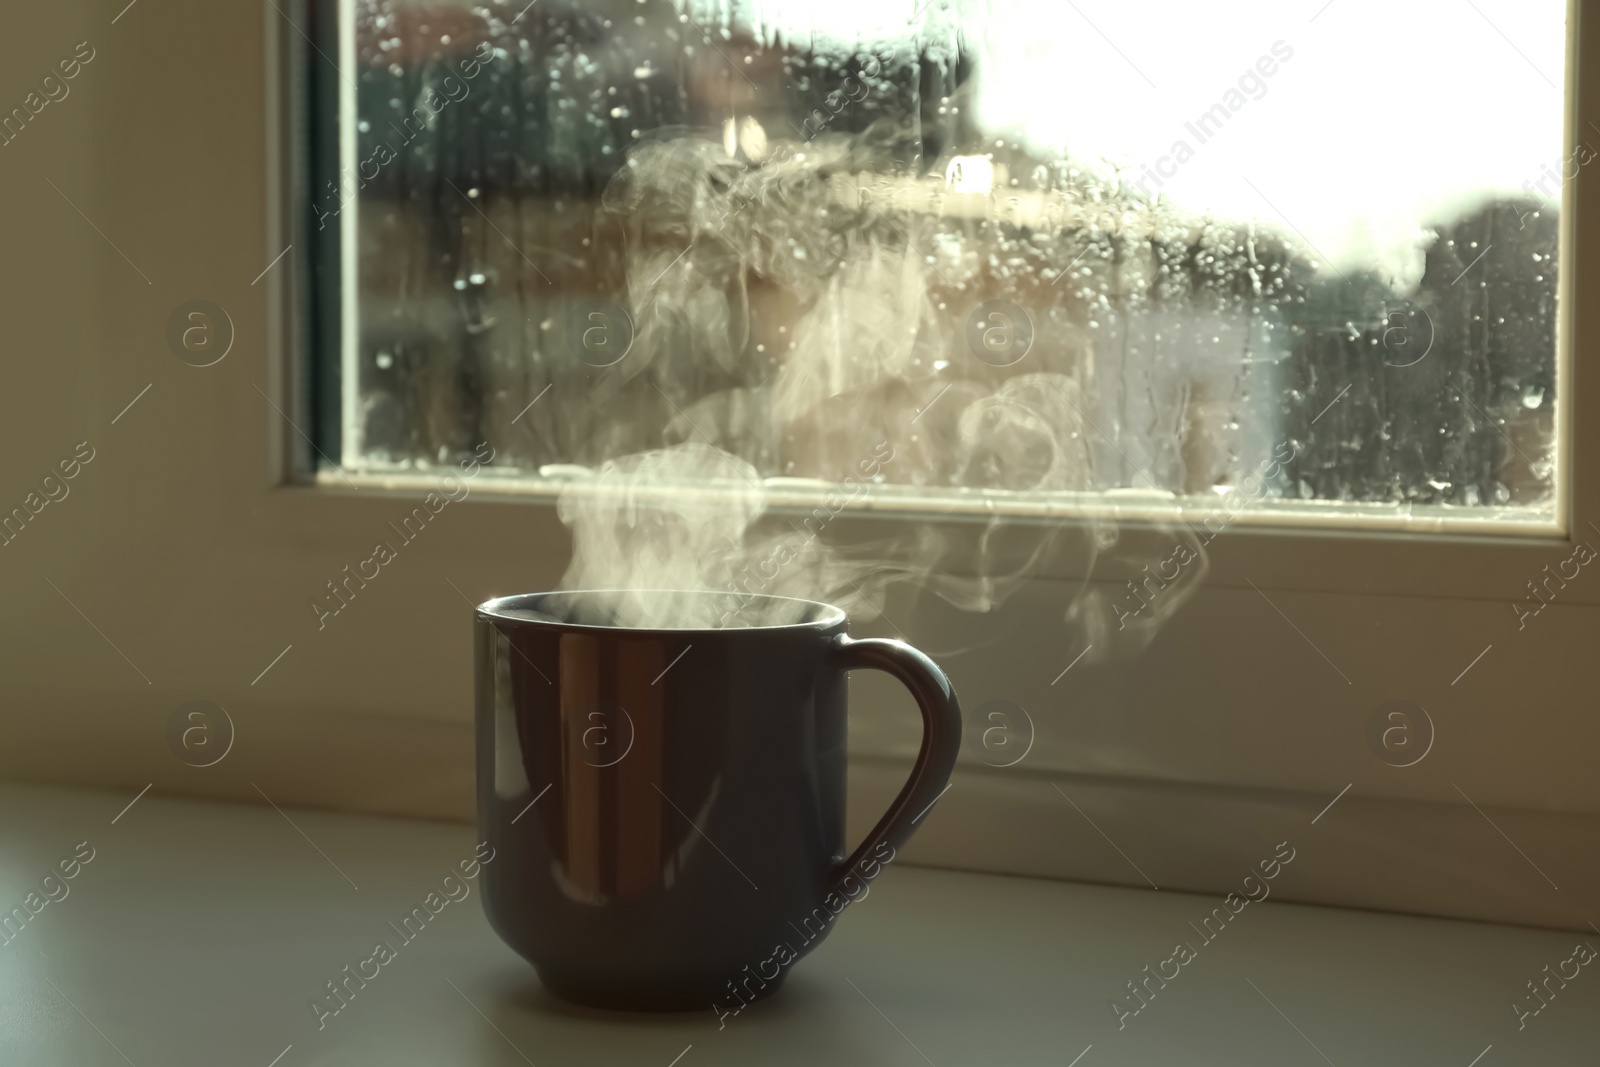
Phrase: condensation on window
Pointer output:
(586, 231)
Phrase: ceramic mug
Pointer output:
(667, 806)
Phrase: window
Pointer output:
(1275, 325)
(1060, 266)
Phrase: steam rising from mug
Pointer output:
(688, 519)
(831, 409)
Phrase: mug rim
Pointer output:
(828, 615)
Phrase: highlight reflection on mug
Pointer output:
(605, 734)
(1400, 733)
(1000, 733)
(200, 733)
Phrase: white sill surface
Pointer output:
(200, 932)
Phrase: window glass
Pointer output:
(1052, 253)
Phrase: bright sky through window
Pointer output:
(1381, 120)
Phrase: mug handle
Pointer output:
(941, 736)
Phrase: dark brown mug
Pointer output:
(667, 805)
